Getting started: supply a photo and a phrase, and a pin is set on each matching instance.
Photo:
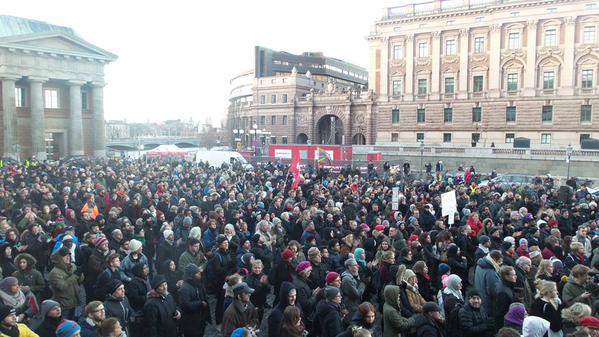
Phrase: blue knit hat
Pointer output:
(67, 329)
(443, 268)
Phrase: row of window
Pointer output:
(272, 140)
(586, 113)
(51, 99)
(512, 83)
(262, 121)
(475, 137)
(273, 99)
(589, 36)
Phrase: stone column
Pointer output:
(99, 132)
(409, 96)
(530, 72)
(464, 59)
(76, 122)
(436, 65)
(9, 115)
(494, 61)
(567, 85)
(38, 122)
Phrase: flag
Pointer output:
(323, 157)
(295, 169)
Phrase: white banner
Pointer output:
(283, 153)
(448, 203)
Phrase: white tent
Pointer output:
(167, 151)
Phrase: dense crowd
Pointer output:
(118, 247)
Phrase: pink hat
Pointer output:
(331, 277)
(303, 266)
(365, 227)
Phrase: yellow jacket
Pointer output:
(24, 331)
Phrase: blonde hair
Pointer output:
(544, 288)
(257, 262)
(576, 312)
(543, 265)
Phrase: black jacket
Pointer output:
(137, 290)
(328, 318)
(475, 322)
(48, 327)
(504, 296)
(258, 297)
(430, 329)
(159, 311)
(275, 320)
(195, 310)
(119, 309)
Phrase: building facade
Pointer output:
(486, 72)
(307, 98)
(51, 91)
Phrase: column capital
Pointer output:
(10, 77)
(98, 84)
(570, 20)
(37, 79)
(532, 24)
(464, 32)
(76, 82)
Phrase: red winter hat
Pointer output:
(287, 254)
(379, 228)
(590, 322)
(331, 277)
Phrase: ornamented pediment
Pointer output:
(512, 54)
(56, 43)
(398, 70)
(587, 54)
(545, 51)
(397, 63)
(479, 62)
(450, 63)
(451, 59)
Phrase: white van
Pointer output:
(217, 158)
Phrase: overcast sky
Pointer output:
(176, 57)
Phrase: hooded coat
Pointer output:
(275, 319)
(30, 277)
(138, 288)
(119, 309)
(394, 324)
(64, 283)
(486, 281)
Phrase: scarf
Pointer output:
(483, 248)
(493, 263)
(452, 287)
(359, 254)
(16, 301)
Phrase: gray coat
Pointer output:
(352, 289)
(486, 281)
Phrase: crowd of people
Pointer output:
(116, 247)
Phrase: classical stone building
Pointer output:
(52, 91)
(307, 98)
(486, 72)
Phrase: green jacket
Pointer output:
(571, 294)
(187, 258)
(30, 277)
(393, 322)
(64, 283)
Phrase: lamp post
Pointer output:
(569, 151)
(255, 133)
(421, 156)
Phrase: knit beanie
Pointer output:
(303, 266)
(67, 329)
(134, 245)
(47, 306)
(331, 277)
(330, 293)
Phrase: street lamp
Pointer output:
(569, 151)
(255, 133)
(421, 156)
